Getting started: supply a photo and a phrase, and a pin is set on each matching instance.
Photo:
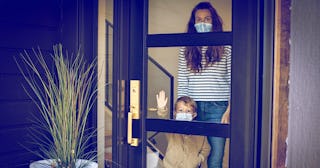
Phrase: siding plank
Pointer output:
(33, 12)
(8, 64)
(12, 88)
(16, 113)
(27, 37)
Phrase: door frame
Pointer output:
(252, 82)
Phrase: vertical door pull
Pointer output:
(131, 141)
(134, 110)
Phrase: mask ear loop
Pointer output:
(174, 114)
(194, 115)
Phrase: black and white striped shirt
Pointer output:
(210, 84)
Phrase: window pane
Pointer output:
(162, 70)
(173, 150)
(164, 63)
(105, 52)
(167, 16)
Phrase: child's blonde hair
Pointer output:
(186, 100)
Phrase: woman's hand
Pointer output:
(161, 100)
(226, 116)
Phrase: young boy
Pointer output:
(183, 151)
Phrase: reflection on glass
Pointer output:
(185, 107)
(167, 16)
(186, 150)
(109, 61)
(180, 150)
(159, 78)
(152, 158)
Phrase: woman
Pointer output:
(204, 74)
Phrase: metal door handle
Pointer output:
(134, 110)
(131, 141)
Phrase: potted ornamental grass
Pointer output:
(62, 87)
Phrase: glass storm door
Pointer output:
(147, 36)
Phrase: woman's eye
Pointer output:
(207, 19)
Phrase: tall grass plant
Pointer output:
(63, 88)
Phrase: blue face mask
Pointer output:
(203, 27)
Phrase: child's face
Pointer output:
(182, 107)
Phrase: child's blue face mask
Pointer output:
(203, 27)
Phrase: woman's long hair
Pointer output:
(193, 54)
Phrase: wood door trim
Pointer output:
(281, 86)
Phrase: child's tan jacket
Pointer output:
(186, 151)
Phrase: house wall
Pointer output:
(25, 25)
(304, 93)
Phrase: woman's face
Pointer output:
(203, 15)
